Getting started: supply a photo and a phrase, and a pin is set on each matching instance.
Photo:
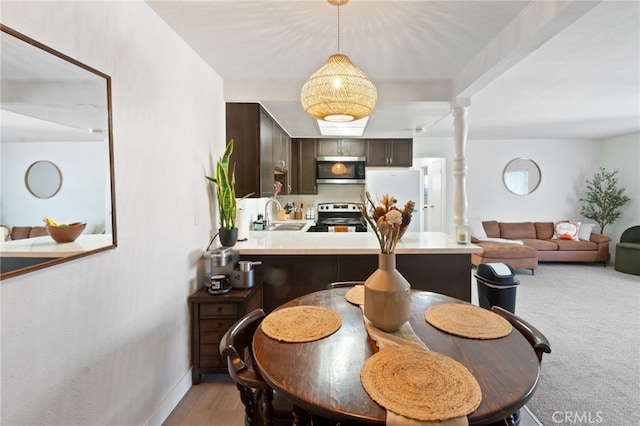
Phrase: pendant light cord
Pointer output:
(338, 27)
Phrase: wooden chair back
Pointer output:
(337, 284)
(539, 342)
(255, 393)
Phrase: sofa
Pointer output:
(21, 232)
(522, 245)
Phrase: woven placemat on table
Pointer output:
(420, 384)
(301, 323)
(467, 321)
(355, 295)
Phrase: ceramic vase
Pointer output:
(387, 295)
(228, 237)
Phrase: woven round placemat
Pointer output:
(301, 323)
(420, 384)
(355, 295)
(467, 321)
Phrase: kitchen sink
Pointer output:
(286, 227)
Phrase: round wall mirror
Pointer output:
(521, 176)
(43, 179)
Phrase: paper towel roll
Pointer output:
(242, 223)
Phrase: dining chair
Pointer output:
(263, 406)
(539, 342)
(338, 284)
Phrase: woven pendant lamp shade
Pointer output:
(339, 91)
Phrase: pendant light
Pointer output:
(339, 91)
(338, 169)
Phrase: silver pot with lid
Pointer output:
(247, 265)
(243, 275)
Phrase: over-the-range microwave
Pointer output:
(340, 170)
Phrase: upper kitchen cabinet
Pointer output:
(342, 147)
(281, 149)
(303, 166)
(390, 152)
(282, 158)
(257, 138)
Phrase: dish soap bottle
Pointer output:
(258, 225)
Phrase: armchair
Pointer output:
(628, 251)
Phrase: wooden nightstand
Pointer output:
(211, 317)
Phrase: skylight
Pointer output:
(351, 128)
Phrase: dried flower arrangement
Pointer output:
(388, 222)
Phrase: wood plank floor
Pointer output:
(214, 402)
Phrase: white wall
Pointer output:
(623, 154)
(564, 166)
(104, 340)
(83, 166)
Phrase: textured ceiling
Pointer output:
(528, 69)
(561, 69)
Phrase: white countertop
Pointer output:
(46, 247)
(327, 243)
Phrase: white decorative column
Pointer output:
(460, 166)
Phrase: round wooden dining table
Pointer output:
(323, 376)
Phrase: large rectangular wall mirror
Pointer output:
(56, 155)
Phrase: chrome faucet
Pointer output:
(267, 221)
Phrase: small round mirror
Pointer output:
(521, 176)
(43, 179)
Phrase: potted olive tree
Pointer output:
(227, 202)
(603, 198)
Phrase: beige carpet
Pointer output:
(591, 316)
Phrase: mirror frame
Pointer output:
(529, 161)
(28, 179)
(114, 241)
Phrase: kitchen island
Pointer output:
(296, 263)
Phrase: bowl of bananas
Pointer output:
(64, 233)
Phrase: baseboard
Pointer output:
(528, 418)
(171, 401)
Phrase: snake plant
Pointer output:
(225, 189)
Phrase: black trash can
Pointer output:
(497, 286)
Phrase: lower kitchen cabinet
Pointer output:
(211, 317)
(285, 277)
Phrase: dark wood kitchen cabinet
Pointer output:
(303, 166)
(390, 152)
(281, 149)
(260, 145)
(282, 158)
(341, 147)
(211, 317)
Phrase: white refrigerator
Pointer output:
(403, 184)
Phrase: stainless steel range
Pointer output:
(340, 217)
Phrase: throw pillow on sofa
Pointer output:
(566, 230)
(584, 233)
